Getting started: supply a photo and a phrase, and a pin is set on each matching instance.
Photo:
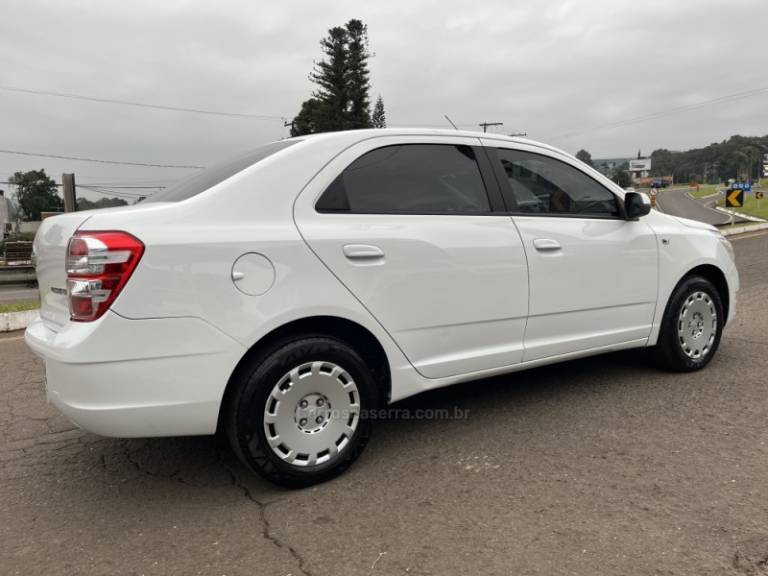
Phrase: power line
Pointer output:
(140, 104)
(670, 111)
(99, 99)
(100, 161)
(105, 186)
(108, 192)
(111, 187)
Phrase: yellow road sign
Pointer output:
(758, 194)
(734, 198)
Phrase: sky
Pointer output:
(610, 77)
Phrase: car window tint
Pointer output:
(212, 175)
(409, 179)
(544, 185)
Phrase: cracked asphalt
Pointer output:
(599, 466)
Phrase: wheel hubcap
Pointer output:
(697, 325)
(312, 413)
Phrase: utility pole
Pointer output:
(486, 124)
(286, 124)
(68, 188)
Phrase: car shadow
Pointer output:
(203, 461)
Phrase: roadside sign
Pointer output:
(758, 194)
(734, 198)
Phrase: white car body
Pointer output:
(452, 299)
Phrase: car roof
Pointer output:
(352, 136)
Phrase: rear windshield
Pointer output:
(209, 177)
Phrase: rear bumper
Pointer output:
(137, 378)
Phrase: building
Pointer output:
(639, 169)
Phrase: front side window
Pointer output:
(409, 179)
(544, 185)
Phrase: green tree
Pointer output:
(357, 75)
(737, 157)
(621, 175)
(379, 117)
(85, 204)
(36, 192)
(340, 101)
(305, 122)
(585, 157)
(330, 75)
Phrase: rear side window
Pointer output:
(209, 177)
(544, 185)
(409, 179)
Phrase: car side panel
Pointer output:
(682, 249)
(451, 290)
(191, 246)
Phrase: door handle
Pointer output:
(546, 244)
(363, 252)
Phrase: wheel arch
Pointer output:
(351, 333)
(714, 275)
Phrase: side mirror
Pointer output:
(636, 205)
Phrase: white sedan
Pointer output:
(283, 298)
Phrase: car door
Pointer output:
(593, 273)
(407, 225)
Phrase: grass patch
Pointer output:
(750, 206)
(19, 306)
(705, 190)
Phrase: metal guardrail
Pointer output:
(18, 274)
(17, 253)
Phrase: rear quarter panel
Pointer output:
(191, 246)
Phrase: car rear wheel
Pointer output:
(691, 327)
(298, 415)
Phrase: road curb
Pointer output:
(10, 321)
(739, 214)
(743, 228)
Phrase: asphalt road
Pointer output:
(594, 467)
(678, 202)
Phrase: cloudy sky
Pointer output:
(610, 77)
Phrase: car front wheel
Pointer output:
(298, 414)
(691, 327)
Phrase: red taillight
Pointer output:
(98, 266)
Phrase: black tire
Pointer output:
(245, 410)
(670, 352)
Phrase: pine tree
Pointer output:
(330, 75)
(379, 117)
(357, 75)
(341, 100)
